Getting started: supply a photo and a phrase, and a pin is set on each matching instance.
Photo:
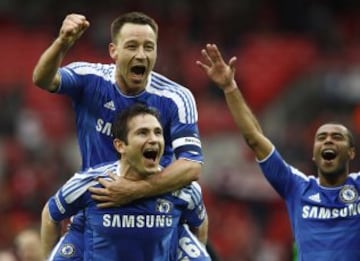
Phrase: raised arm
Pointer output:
(223, 75)
(50, 232)
(45, 74)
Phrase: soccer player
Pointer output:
(99, 91)
(145, 229)
(324, 209)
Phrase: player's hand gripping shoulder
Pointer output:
(118, 191)
(73, 26)
(115, 192)
(218, 71)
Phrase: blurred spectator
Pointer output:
(27, 245)
(7, 255)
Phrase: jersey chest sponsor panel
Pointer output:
(325, 221)
(139, 220)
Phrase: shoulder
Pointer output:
(107, 71)
(179, 96)
(162, 83)
(191, 194)
(78, 184)
(355, 176)
(101, 168)
(274, 164)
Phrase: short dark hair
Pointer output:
(134, 18)
(119, 128)
(351, 138)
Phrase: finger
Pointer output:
(215, 54)
(78, 23)
(105, 182)
(99, 191)
(77, 18)
(113, 176)
(202, 66)
(106, 205)
(204, 54)
(101, 198)
(232, 62)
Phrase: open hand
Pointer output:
(218, 71)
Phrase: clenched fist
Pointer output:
(73, 26)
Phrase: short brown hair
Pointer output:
(120, 128)
(134, 18)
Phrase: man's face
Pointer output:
(145, 144)
(134, 53)
(332, 151)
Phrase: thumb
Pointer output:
(113, 176)
(232, 63)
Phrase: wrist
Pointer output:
(62, 44)
(230, 88)
(141, 189)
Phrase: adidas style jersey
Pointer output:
(97, 99)
(146, 229)
(325, 221)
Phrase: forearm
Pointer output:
(202, 232)
(45, 72)
(50, 232)
(247, 122)
(122, 191)
(177, 175)
(242, 114)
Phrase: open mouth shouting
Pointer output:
(138, 73)
(151, 155)
(328, 154)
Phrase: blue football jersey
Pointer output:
(97, 99)
(146, 229)
(190, 248)
(325, 221)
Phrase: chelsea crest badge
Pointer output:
(67, 250)
(348, 194)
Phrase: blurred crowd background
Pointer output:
(298, 66)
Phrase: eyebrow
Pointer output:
(330, 133)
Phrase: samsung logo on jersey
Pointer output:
(330, 213)
(137, 221)
(103, 127)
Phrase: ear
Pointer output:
(119, 145)
(313, 156)
(112, 51)
(352, 153)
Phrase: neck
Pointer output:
(333, 179)
(129, 90)
(129, 173)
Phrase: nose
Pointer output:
(152, 137)
(140, 54)
(328, 139)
